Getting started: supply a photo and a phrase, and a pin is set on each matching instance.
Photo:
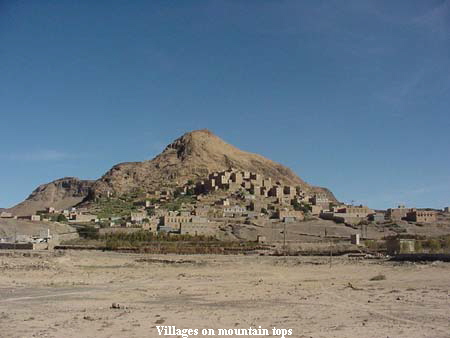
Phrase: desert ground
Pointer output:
(71, 294)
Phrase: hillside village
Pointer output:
(202, 186)
(217, 204)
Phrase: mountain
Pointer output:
(190, 157)
(60, 194)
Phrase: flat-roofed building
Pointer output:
(138, 217)
(421, 216)
(316, 210)
(175, 222)
(397, 245)
(377, 217)
(197, 229)
(234, 210)
(355, 211)
(284, 214)
(267, 182)
(201, 211)
(257, 206)
(225, 202)
(397, 214)
(237, 177)
(289, 191)
(320, 200)
(276, 191)
(5, 214)
(82, 218)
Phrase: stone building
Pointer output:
(196, 228)
(355, 211)
(257, 206)
(397, 245)
(397, 214)
(152, 224)
(421, 216)
(82, 218)
(201, 210)
(5, 214)
(276, 191)
(316, 210)
(289, 191)
(348, 214)
(283, 214)
(175, 221)
(233, 211)
(224, 202)
(138, 217)
(377, 217)
(321, 200)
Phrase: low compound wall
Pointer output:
(18, 246)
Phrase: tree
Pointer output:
(301, 206)
(88, 232)
(61, 218)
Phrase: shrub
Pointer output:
(88, 232)
(434, 245)
(378, 277)
(371, 244)
(446, 243)
(301, 206)
(61, 218)
(418, 246)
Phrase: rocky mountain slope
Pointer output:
(190, 157)
(60, 194)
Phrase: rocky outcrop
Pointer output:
(61, 194)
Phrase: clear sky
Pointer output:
(352, 95)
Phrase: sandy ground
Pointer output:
(71, 295)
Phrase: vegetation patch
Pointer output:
(110, 207)
(378, 277)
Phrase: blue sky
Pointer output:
(352, 95)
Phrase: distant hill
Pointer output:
(61, 194)
(190, 157)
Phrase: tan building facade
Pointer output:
(421, 216)
(397, 214)
(282, 214)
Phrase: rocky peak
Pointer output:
(189, 157)
(62, 193)
(193, 143)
